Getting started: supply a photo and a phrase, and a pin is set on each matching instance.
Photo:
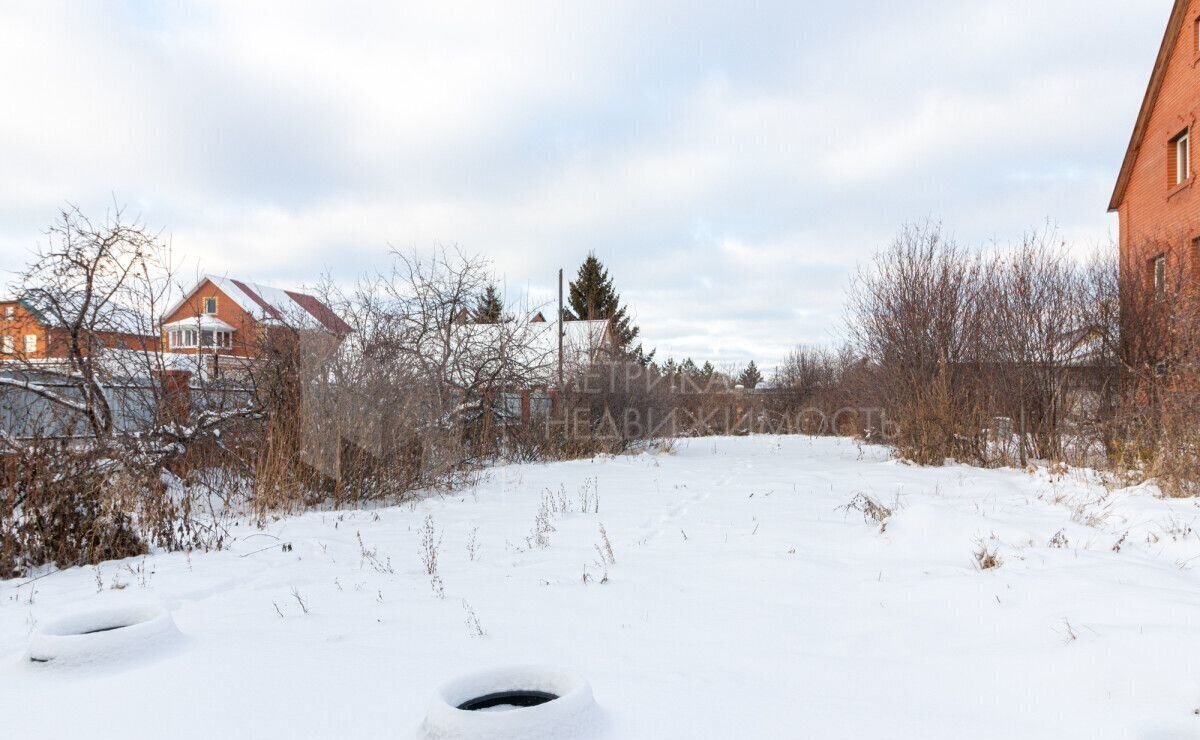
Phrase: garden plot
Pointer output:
(755, 587)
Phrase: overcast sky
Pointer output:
(730, 162)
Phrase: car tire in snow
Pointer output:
(103, 635)
(513, 704)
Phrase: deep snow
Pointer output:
(743, 603)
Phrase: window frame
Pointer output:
(1158, 266)
(1179, 158)
(205, 303)
(7, 345)
(31, 344)
(184, 338)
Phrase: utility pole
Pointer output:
(560, 331)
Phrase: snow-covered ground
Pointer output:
(743, 603)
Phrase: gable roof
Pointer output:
(1143, 120)
(49, 311)
(273, 305)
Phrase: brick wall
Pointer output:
(245, 339)
(20, 325)
(1156, 215)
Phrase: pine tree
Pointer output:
(688, 368)
(707, 370)
(592, 296)
(489, 309)
(750, 377)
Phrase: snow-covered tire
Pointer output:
(102, 635)
(573, 715)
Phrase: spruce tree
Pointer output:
(750, 377)
(490, 309)
(592, 296)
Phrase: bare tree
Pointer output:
(94, 416)
(1038, 330)
(917, 318)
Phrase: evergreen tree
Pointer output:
(750, 377)
(592, 296)
(688, 368)
(490, 309)
(707, 370)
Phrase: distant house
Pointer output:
(32, 332)
(532, 353)
(226, 317)
(1155, 196)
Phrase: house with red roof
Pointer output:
(226, 317)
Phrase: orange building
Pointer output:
(224, 316)
(1155, 195)
(29, 334)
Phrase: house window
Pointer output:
(540, 405)
(1179, 159)
(194, 338)
(1160, 277)
(510, 405)
(183, 338)
(210, 305)
(6, 345)
(9, 312)
(30, 344)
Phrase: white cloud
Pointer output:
(730, 164)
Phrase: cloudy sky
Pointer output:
(730, 162)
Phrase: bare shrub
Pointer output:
(474, 627)
(873, 512)
(543, 526)
(589, 496)
(916, 316)
(987, 556)
(431, 542)
(605, 549)
(65, 509)
(1059, 540)
(473, 544)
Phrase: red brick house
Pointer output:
(1155, 195)
(225, 317)
(30, 333)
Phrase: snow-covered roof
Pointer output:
(50, 309)
(204, 322)
(273, 305)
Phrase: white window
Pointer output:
(183, 338)
(9, 312)
(1183, 158)
(1160, 277)
(6, 345)
(194, 338)
(30, 344)
(210, 305)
